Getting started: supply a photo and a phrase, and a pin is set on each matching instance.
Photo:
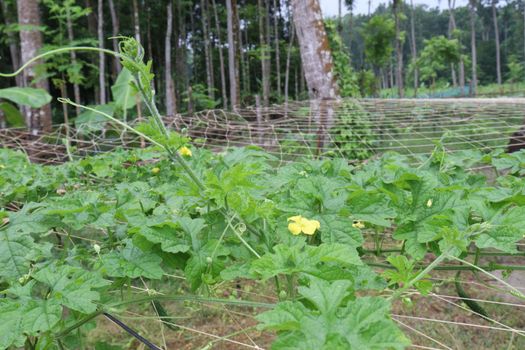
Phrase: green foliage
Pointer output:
(379, 34)
(438, 54)
(516, 70)
(328, 318)
(12, 115)
(353, 134)
(26, 96)
(346, 77)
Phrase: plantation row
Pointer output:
(73, 236)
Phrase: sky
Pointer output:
(330, 7)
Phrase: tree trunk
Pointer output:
(221, 55)
(340, 17)
(136, 21)
(317, 61)
(13, 47)
(399, 49)
(414, 47)
(233, 57)
(207, 50)
(73, 56)
(265, 67)
(474, 82)
(170, 85)
(316, 55)
(101, 56)
(115, 26)
(277, 12)
(288, 58)
(496, 38)
(31, 42)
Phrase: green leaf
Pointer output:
(294, 259)
(41, 315)
(72, 286)
(11, 328)
(505, 229)
(34, 98)
(132, 262)
(124, 93)
(333, 321)
(15, 250)
(370, 207)
(14, 118)
(93, 121)
(335, 229)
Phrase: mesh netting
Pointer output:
(353, 129)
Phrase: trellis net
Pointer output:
(353, 129)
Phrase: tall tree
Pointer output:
(233, 57)
(472, 11)
(31, 42)
(496, 39)
(413, 47)
(318, 64)
(451, 34)
(13, 45)
(101, 55)
(207, 50)
(276, 18)
(264, 52)
(168, 79)
(399, 47)
(221, 55)
(115, 31)
(72, 54)
(315, 50)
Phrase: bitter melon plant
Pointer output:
(76, 238)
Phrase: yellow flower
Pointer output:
(185, 151)
(155, 171)
(358, 224)
(429, 203)
(299, 224)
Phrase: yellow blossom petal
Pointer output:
(309, 226)
(294, 228)
(185, 151)
(296, 218)
(358, 224)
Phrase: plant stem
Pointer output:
(419, 276)
(458, 267)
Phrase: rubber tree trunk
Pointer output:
(73, 56)
(317, 63)
(13, 46)
(101, 56)
(233, 57)
(399, 49)
(288, 58)
(276, 17)
(31, 42)
(115, 31)
(474, 82)
(207, 50)
(496, 39)
(168, 79)
(221, 55)
(264, 52)
(316, 55)
(414, 47)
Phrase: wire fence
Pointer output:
(353, 129)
